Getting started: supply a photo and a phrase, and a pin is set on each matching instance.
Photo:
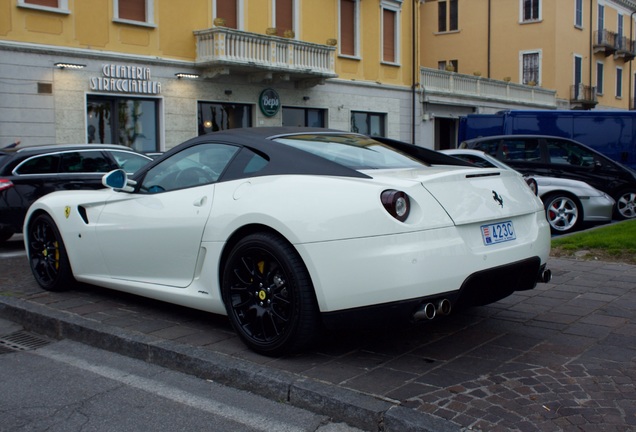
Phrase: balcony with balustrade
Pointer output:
(450, 84)
(263, 58)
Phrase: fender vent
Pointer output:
(21, 341)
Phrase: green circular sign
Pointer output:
(269, 102)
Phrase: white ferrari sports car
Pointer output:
(286, 230)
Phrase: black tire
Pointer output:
(5, 234)
(47, 255)
(625, 204)
(563, 212)
(269, 296)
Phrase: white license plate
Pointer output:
(498, 233)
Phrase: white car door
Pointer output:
(155, 238)
(154, 234)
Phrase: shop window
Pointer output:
(349, 27)
(305, 117)
(284, 16)
(368, 123)
(131, 122)
(214, 117)
(134, 10)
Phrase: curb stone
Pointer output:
(349, 406)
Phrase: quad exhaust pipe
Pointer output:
(429, 310)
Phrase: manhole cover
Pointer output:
(21, 341)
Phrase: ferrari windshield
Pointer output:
(353, 151)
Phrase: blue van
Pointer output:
(611, 133)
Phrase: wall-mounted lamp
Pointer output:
(228, 92)
(306, 98)
(186, 75)
(207, 124)
(69, 65)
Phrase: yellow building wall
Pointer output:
(555, 36)
(90, 25)
(369, 67)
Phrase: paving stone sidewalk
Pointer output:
(561, 357)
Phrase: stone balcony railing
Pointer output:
(221, 50)
(451, 84)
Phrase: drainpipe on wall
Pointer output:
(591, 45)
(415, 69)
(489, 30)
(630, 104)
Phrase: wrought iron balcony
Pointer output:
(582, 96)
(263, 58)
(605, 42)
(624, 48)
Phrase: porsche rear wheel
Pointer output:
(626, 204)
(47, 255)
(563, 212)
(268, 295)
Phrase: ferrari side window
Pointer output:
(194, 166)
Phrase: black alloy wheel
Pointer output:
(47, 255)
(564, 213)
(268, 295)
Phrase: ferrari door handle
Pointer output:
(200, 202)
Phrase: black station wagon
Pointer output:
(28, 173)
(564, 158)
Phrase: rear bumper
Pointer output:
(480, 288)
(355, 273)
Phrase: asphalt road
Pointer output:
(67, 386)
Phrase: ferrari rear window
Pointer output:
(352, 151)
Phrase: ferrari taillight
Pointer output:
(396, 203)
(5, 184)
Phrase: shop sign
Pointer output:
(125, 79)
(269, 102)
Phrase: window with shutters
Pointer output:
(284, 13)
(600, 71)
(231, 12)
(134, 11)
(619, 82)
(349, 40)
(390, 31)
(60, 6)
